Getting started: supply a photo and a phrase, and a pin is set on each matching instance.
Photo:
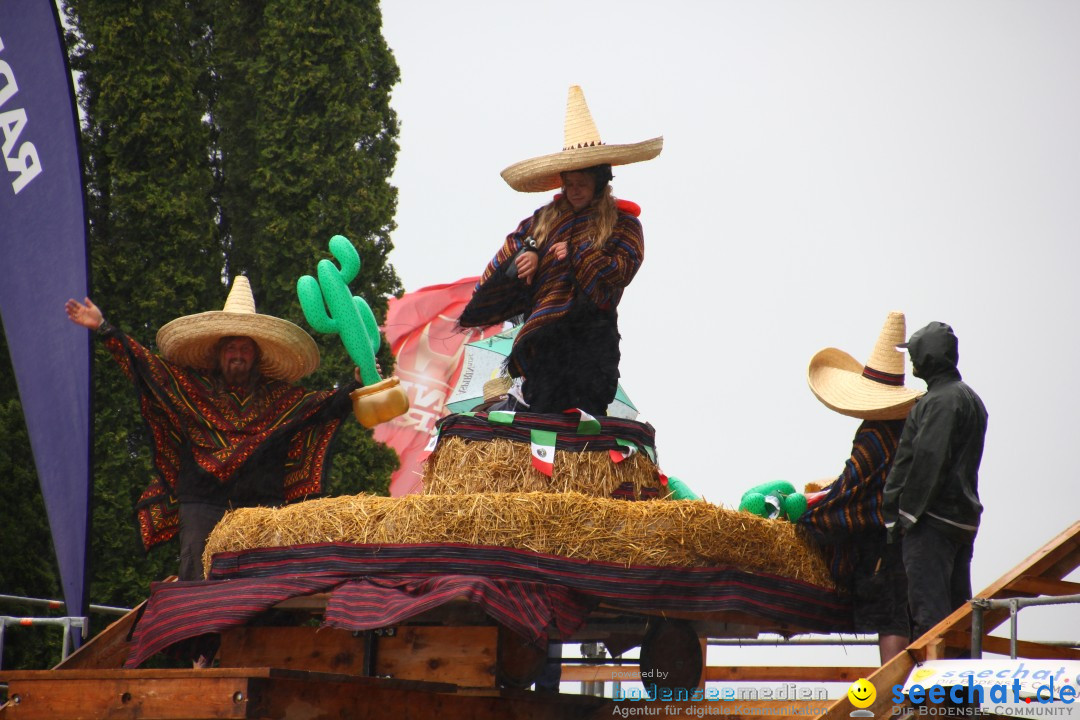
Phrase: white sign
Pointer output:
(1018, 679)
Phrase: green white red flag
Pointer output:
(543, 450)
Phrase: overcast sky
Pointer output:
(824, 163)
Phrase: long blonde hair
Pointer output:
(601, 222)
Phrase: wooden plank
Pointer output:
(108, 649)
(316, 602)
(460, 655)
(302, 648)
(1035, 586)
(179, 698)
(790, 673)
(894, 672)
(1028, 649)
(715, 673)
(729, 710)
(286, 699)
(465, 656)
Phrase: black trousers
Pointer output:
(938, 568)
(196, 522)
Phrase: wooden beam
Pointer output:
(464, 656)
(328, 650)
(894, 672)
(790, 673)
(1029, 649)
(717, 673)
(1033, 585)
(269, 694)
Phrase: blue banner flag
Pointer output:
(42, 264)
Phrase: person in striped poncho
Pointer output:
(564, 269)
(846, 519)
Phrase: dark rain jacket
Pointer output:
(935, 476)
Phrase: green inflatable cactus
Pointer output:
(349, 316)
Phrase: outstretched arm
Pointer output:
(84, 313)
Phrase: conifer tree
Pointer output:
(220, 137)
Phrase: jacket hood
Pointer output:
(934, 350)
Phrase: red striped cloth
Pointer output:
(372, 586)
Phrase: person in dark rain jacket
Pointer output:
(932, 491)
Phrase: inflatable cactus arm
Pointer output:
(680, 490)
(331, 308)
(774, 499)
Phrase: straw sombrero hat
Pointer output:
(288, 352)
(874, 391)
(582, 148)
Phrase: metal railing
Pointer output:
(67, 622)
(1013, 605)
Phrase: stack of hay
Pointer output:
(481, 488)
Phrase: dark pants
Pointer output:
(938, 569)
(196, 522)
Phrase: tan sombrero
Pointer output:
(874, 391)
(582, 148)
(288, 352)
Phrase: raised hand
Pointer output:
(84, 313)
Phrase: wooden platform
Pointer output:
(452, 664)
(265, 693)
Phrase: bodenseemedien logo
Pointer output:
(862, 694)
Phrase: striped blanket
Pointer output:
(373, 586)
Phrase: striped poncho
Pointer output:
(850, 511)
(224, 446)
(587, 276)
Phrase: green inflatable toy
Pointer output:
(776, 499)
(349, 316)
(680, 490)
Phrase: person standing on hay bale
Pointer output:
(564, 269)
(847, 520)
(932, 492)
(229, 427)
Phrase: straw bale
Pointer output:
(460, 466)
(690, 533)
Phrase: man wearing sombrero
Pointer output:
(565, 268)
(847, 520)
(229, 427)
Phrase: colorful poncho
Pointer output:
(851, 508)
(192, 420)
(601, 275)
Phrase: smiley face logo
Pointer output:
(862, 693)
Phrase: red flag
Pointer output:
(421, 328)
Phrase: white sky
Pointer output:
(824, 163)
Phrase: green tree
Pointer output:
(307, 140)
(154, 249)
(221, 137)
(29, 567)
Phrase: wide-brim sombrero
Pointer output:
(874, 391)
(582, 148)
(287, 351)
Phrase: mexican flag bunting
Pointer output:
(587, 425)
(625, 451)
(432, 442)
(543, 450)
(501, 417)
